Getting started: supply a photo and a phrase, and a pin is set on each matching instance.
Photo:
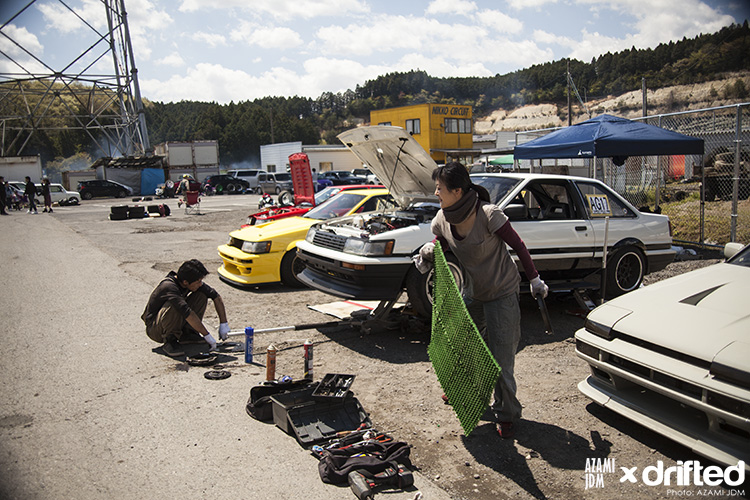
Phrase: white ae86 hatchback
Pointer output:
(562, 219)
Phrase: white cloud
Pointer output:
(282, 9)
(529, 4)
(174, 59)
(64, 20)
(21, 62)
(266, 37)
(496, 21)
(211, 39)
(454, 7)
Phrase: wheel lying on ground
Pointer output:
(626, 267)
(291, 266)
(137, 212)
(286, 198)
(419, 286)
(120, 209)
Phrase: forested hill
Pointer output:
(242, 127)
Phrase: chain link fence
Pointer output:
(705, 197)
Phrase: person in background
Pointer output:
(47, 196)
(174, 312)
(477, 231)
(30, 193)
(3, 196)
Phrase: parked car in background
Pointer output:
(58, 194)
(366, 174)
(222, 183)
(559, 217)
(274, 183)
(674, 356)
(338, 177)
(251, 176)
(99, 188)
(268, 253)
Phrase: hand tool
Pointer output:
(362, 482)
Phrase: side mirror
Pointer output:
(516, 211)
(731, 249)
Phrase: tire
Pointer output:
(258, 190)
(278, 190)
(120, 209)
(137, 212)
(219, 189)
(114, 216)
(625, 270)
(73, 201)
(121, 194)
(231, 188)
(286, 198)
(419, 286)
(291, 266)
(87, 196)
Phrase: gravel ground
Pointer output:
(561, 430)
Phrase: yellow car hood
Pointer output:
(289, 227)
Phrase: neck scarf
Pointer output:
(459, 211)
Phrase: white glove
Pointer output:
(424, 259)
(211, 341)
(223, 331)
(538, 287)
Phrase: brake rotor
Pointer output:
(202, 359)
(217, 374)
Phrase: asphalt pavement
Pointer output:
(90, 411)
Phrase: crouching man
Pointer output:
(174, 313)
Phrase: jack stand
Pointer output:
(583, 299)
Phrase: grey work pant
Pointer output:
(169, 321)
(499, 322)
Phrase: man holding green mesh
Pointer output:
(476, 231)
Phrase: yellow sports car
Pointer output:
(268, 253)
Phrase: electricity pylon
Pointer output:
(95, 90)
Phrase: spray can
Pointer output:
(308, 360)
(271, 362)
(249, 344)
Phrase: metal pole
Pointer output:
(570, 111)
(736, 179)
(604, 261)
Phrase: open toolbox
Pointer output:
(312, 420)
(333, 386)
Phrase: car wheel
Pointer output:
(258, 190)
(121, 194)
(625, 270)
(120, 209)
(291, 266)
(73, 201)
(231, 188)
(419, 286)
(286, 198)
(219, 189)
(87, 196)
(278, 190)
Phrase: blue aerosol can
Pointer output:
(249, 344)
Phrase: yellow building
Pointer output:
(443, 130)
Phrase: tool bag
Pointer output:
(370, 456)
(259, 405)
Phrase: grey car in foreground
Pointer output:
(674, 356)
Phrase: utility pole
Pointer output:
(570, 111)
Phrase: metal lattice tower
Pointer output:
(95, 90)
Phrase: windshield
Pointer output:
(283, 177)
(326, 193)
(498, 187)
(335, 207)
(742, 258)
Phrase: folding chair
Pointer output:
(193, 202)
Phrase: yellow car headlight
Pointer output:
(256, 246)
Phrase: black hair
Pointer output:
(454, 175)
(191, 270)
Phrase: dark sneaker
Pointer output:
(506, 430)
(173, 349)
(445, 399)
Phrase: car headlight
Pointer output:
(256, 246)
(311, 234)
(598, 329)
(602, 320)
(368, 248)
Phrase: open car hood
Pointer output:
(398, 161)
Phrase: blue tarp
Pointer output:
(607, 136)
(150, 179)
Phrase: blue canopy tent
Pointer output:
(609, 136)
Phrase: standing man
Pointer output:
(174, 313)
(3, 196)
(30, 193)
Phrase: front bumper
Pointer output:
(376, 282)
(245, 269)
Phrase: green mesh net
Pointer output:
(463, 363)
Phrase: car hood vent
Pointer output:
(693, 300)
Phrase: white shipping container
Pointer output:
(179, 154)
(206, 153)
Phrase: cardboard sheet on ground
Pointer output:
(344, 308)
(463, 363)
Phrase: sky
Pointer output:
(238, 50)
